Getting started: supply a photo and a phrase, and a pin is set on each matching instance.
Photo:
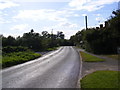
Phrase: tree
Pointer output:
(32, 40)
(45, 34)
(104, 40)
(9, 41)
(35, 41)
(60, 35)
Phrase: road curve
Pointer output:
(59, 69)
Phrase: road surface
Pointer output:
(59, 69)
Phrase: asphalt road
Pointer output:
(58, 69)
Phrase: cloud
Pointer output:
(42, 14)
(46, 14)
(98, 18)
(41, 0)
(67, 28)
(67, 25)
(7, 4)
(62, 25)
(84, 14)
(97, 14)
(2, 20)
(78, 2)
(76, 15)
(89, 5)
(20, 27)
(68, 32)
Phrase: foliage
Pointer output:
(34, 41)
(51, 49)
(21, 49)
(9, 41)
(14, 58)
(9, 49)
(104, 40)
(90, 58)
(31, 40)
(101, 79)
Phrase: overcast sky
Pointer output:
(18, 17)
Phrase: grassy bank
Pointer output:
(10, 59)
(90, 58)
(13, 55)
(101, 79)
(114, 56)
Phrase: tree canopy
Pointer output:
(36, 41)
(103, 40)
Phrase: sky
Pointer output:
(20, 16)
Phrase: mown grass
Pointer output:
(90, 58)
(14, 58)
(101, 79)
(115, 56)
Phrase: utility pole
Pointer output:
(52, 31)
(52, 45)
(86, 22)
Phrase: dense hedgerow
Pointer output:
(14, 58)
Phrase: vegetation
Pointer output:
(51, 49)
(90, 58)
(10, 49)
(13, 55)
(103, 40)
(22, 49)
(114, 56)
(36, 41)
(101, 79)
(10, 59)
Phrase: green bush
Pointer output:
(10, 49)
(51, 49)
(14, 58)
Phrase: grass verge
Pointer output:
(115, 56)
(15, 58)
(101, 79)
(90, 58)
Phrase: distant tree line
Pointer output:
(35, 41)
(100, 40)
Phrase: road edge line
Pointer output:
(80, 72)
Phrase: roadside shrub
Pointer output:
(51, 49)
(10, 49)
(15, 58)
